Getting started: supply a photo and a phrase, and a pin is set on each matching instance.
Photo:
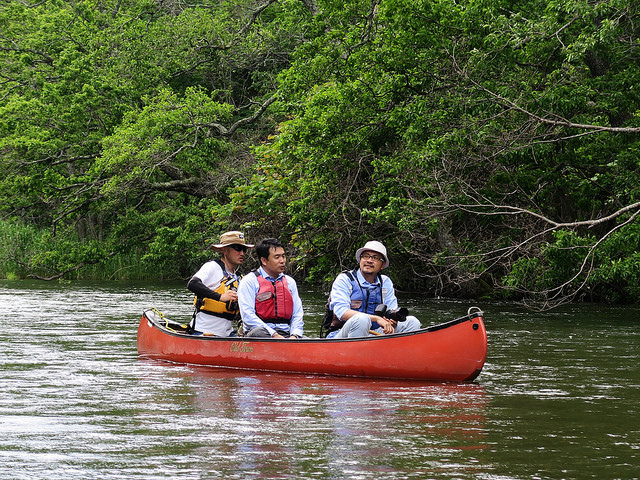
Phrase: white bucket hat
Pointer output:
(374, 246)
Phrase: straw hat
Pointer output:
(231, 238)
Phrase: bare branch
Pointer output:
(254, 16)
(227, 132)
(46, 58)
(63, 273)
(558, 122)
(241, 33)
(555, 292)
(510, 210)
(311, 5)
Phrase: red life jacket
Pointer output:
(274, 302)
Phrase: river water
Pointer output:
(557, 399)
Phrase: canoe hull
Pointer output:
(453, 351)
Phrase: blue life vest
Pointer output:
(365, 299)
(362, 300)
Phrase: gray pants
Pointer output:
(360, 324)
(263, 332)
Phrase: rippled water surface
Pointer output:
(558, 398)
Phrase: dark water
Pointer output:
(558, 399)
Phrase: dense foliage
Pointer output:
(492, 145)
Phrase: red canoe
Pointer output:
(453, 351)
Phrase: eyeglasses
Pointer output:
(366, 256)
(238, 248)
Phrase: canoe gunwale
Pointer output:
(373, 338)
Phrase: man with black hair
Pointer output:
(268, 298)
(215, 286)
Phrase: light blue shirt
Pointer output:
(342, 288)
(247, 291)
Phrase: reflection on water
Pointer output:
(271, 425)
(557, 399)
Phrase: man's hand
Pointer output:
(229, 295)
(388, 326)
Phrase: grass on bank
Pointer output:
(27, 252)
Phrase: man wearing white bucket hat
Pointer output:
(363, 300)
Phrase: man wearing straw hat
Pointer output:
(216, 285)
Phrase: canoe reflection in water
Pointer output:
(277, 425)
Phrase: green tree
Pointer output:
(116, 111)
(493, 146)
(466, 135)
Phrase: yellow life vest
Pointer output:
(227, 310)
